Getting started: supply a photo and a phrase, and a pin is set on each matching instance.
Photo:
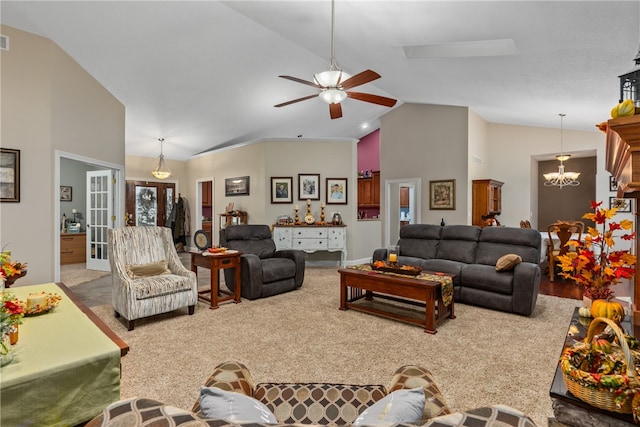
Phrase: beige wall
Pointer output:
(513, 154)
(49, 104)
(429, 142)
(284, 158)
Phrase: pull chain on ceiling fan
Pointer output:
(334, 84)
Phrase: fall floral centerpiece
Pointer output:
(595, 264)
(11, 270)
(11, 314)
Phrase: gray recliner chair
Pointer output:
(265, 271)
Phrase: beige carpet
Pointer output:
(75, 274)
(482, 357)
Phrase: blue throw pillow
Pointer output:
(234, 407)
(401, 406)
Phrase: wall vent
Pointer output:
(4, 42)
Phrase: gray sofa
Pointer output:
(471, 254)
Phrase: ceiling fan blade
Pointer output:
(293, 101)
(360, 79)
(374, 99)
(304, 82)
(335, 110)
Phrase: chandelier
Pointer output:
(561, 178)
(161, 171)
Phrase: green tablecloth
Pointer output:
(446, 283)
(64, 371)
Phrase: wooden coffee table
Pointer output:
(390, 286)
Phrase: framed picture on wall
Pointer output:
(282, 189)
(66, 193)
(623, 205)
(9, 175)
(309, 186)
(238, 186)
(336, 191)
(613, 184)
(442, 194)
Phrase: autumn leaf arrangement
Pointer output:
(595, 264)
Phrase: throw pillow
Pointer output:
(401, 406)
(135, 271)
(234, 407)
(508, 262)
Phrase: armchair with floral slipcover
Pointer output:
(148, 276)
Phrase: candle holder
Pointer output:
(322, 214)
(296, 219)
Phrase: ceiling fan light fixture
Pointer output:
(333, 96)
(331, 78)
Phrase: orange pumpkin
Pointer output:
(609, 309)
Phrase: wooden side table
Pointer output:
(215, 263)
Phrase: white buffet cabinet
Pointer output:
(312, 238)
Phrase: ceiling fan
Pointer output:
(334, 84)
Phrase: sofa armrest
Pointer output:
(229, 376)
(412, 376)
(299, 258)
(142, 412)
(526, 283)
(251, 273)
(490, 416)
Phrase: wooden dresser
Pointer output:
(73, 248)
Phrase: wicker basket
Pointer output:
(583, 386)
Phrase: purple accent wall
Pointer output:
(369, 160)
(369, 152)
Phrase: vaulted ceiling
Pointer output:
(204, 74)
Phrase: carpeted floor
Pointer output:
(482, 357)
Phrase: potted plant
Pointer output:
(11, 314)
(595, 264)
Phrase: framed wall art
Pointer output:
(309, 186)
(623, 205)
(613, 184)
(9, 175)
(66, 193)
(442, 194)
(336, 191)
(282, 189)
(238, 186)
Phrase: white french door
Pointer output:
(99, 218)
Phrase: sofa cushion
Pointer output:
(401, 406)
(508, 262)
(486, 277)
(496, 242)
(444, 266)
(233, 407)
(419, 240)
(317, 403)
(459, 243)
(262, 248)
(136, 271)
(165, 284)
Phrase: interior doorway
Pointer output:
(402, 206)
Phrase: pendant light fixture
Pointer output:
(561, 178)
(161, 171)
